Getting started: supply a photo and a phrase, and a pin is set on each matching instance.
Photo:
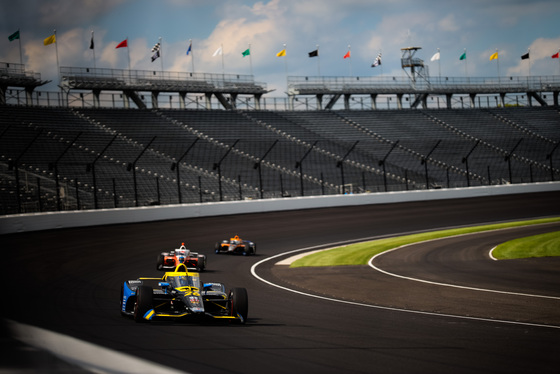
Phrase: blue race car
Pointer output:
(181, 294)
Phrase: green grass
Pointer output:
(361, 253)
(544, 245)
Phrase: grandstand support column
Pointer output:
(347, 101)
(373, 101)
(258, 101)
(182, 96)
(96, 101)
(208, 96)
(472, 96)
(319, 102)
(233, 100)
(132, 166)
(126, 100)
(536, 96)
(425, 163)
(448, 100)
(399, 100)
(155, 95)
(503, 99)
(3, 89)
(555, 97)
(291, 98)
(28, 96)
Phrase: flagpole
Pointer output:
(439, 65)
(318, 61)
(161, 54)
(380, 52)
(222, 50)
(529, 53)
(350, 59)
(250, 59)
(128, 54)
(56, 49)
(286, 62)
(466, 72)
(192, 52)
(93, 45)
(20, 55)
(498, 64)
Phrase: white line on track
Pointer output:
(492, 255)
(370, 263)
(314, 248)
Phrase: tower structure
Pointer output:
(415, 64)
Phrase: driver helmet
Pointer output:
(182, 251)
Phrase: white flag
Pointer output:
(435, 57)
(218, 52)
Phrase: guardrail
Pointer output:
(68, 219)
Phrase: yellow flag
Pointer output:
(50, 40)
(494, 56)
(281, 53)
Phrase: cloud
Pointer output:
(448, 24)
(69, 12)
(43, 59)
(540, 58)
(369, 26)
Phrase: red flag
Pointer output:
(556, 55)
(347, 54)
(122, 44)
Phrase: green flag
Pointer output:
(246, 52)
(463, 56)
(14, 36)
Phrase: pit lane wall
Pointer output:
(60, 220)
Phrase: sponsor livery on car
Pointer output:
(169, 260)
(236, 245)
(181, 295)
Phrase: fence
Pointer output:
(197, 101)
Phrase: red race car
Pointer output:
(167, 261)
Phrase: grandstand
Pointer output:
(66, 157)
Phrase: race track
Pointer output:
(68, 281)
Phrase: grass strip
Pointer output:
(543, 245)
(360, 253)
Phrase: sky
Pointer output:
(363, 27)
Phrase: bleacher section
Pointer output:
(131, 155)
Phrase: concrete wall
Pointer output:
(59, 220)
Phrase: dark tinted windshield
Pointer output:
(183, 281)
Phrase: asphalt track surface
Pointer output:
(68, 281)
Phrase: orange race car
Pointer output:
(236, 245)
(194, 261)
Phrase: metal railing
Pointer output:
(139, 77)
(429, 85)
(13, 70)
(194, 101)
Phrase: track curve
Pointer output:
(67, 281)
